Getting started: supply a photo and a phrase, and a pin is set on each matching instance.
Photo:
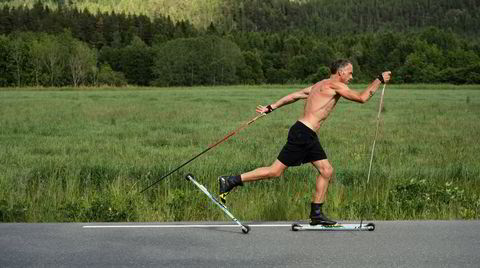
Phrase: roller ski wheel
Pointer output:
(371, 226)
(295, 227)
(245, 229)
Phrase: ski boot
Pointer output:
(227, 183)
(317, 216)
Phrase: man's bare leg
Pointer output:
(227, 183)
(275, 170)
(325, 171)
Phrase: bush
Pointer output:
(12, 213)
(416, 197)
(107, 76)
(208, 60)
(177, 203)
(322, 73)
(103, 208)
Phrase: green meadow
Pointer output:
(84, 155)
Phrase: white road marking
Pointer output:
(182, 226)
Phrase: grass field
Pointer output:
(84, 155)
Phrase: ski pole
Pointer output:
(376, 132)
(373, 146)
(208, 149)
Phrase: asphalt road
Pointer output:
(392, 244)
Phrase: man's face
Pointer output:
(346, 74)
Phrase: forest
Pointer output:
(220, 42)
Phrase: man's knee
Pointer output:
(275, 171)
(327, 171)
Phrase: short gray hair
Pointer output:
(339, 64)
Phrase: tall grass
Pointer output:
(86, 155)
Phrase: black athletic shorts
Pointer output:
(302, 146)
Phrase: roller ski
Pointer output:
(335, 227)
(245, 228)
(320, 222)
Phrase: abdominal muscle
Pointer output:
(320, 102)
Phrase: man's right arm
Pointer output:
(364, 96)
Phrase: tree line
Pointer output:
(328, 17)
(317, 16)
(40, 46)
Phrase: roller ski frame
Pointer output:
(245, 228)
(336, 227)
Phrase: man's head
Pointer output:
(343, 69)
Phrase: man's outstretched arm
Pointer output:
(365, 95)
(290, 98)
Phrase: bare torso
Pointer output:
(320, 102)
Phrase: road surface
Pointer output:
(273, 244)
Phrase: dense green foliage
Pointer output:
(86, 155)
(252, 42)
(205, 60)
(323, 17)
(326, 17)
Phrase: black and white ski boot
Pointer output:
(317, 216)
(227, 183)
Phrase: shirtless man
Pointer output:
(302, 144)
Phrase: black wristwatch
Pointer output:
(380, 77)
(269, 108)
